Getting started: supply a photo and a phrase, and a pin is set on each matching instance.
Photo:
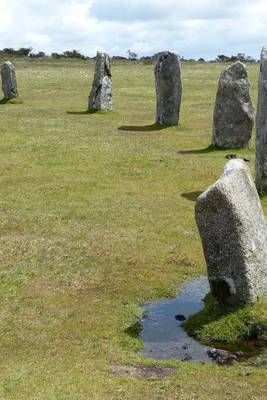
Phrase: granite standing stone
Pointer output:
(9, 82)
(233, 231)
(261, 127)
(233, 117)
(168, 89)
(101, 93)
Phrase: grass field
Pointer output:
(97, 216)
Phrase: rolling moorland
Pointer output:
(96, 218)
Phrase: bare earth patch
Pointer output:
(143, 372)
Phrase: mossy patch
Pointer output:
(227, 324)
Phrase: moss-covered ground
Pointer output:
(229, 325)
(96, 217)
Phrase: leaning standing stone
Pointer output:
(101, 93)
(168, 89)
(233, 231)
(9, 82)
(233, 118)
(261, 127)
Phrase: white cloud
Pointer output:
(37, 39)
(194, 28)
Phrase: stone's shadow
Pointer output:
(82, 112)
(144, 128)
(192, 196)
(4, 101)
(206, 150)
(13, 100)
(77, 112)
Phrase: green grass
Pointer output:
(229, 325)
(96, 217)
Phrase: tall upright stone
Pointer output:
(101, 93)
(9, 82)
(233, 231)
(233, 117)
(168, 89)
(261, 127)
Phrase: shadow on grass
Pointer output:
(89, 112)
(77, 112)
(144, 128)
(14, 100)
(4, 101)
(85, 112)
(206, 150)
(192, 196)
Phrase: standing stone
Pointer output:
(233, 231)
(9, 82)
(233, 117)
(261, 127)
(168, 89)
(101, 93)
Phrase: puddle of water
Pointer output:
(163, 336)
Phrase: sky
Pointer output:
(191, 28)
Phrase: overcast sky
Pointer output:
(192, 28)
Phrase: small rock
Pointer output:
(187, 357)
(239, 354)
(221, 356)
(180, 317)
(230, 156)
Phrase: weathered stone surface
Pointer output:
(168, 88)
(224, 356)
(101, 93)
(233, 231)
(261, 127)
(233, 117)
(9, 82)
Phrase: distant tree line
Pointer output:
(239, 57)
(220, 58)
(23, 51)
(69, 54)
(27, 52)
(131, 56)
